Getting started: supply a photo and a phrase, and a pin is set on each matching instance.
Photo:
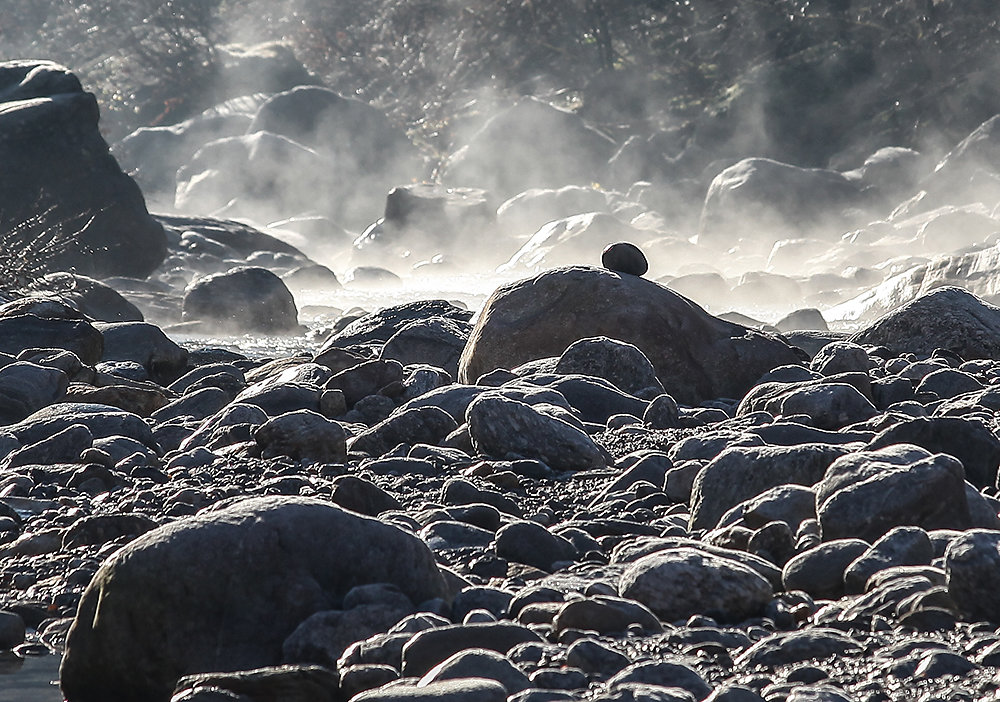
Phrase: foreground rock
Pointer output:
(696, 356)
(137, 632)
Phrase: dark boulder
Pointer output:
(65, 202)
(243, 299)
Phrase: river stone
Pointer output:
(245, 299)
(60, 172)
(102, 421)
(696, 356)
(378, 327)
(28, 331)
(624, 257)
(967, 438)
(796, 646)
(287, 683)
(302, 435)
(417, 425)
(532, 544)
(972, 564)
(927, 491)
(902, 546)
(473, 689)
(27, 387)
(432, 646)
(436, 341)
(145, 344)
(93, 298)
(218, 611)
(820, 570)
(502, 427)
(479, 663)
(663, 674)
(947, 317)
(741, 473)
(620, 363)
(681, 582)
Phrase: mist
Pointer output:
(767, 158)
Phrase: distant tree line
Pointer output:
(423, 60)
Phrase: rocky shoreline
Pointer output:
(816, 540)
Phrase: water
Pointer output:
(30, 679)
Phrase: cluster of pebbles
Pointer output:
(195, 525)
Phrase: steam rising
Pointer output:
(810, 182)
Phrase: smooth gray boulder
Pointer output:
(696, 356)
(503, 428)
(852, 500)
(246, 299)
(226, 605)
(681, 582)
(302, 435)
(972, 565)
(618, 362)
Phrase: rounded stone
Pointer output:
(623, 257)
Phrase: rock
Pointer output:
(420, 220)
(99, 529)
(149, 631)
(606, 615)
(457, 690)
(367, 152)
(362, 496)
(748, 203)
(302, 435)
(797, 646)
(663, 674)
(379, 327)
(433, 646)
(807, 319)
(26, 388)
(566, 241)
(478, 663)
(12, 630)
(533, 544)
(681, 582)
(502, 427)
(101, 420)
(418, 425)
(967, 439)
(618, 362)
(525, 213)
(542, 316)
(972, 563)
(820, 570)
(243, 299)
(288, 683)
(92, 217)
(435, 341)
(23, 332)
(927, 491)
(63, 446)
(624, 257)
(529, 145)
(948, 317)
(741, 473)
(145, 344)
(902, 546)
(841, 357)
(91, 297)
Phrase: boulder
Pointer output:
(529, 145)
(758, 201)
(378, 327)
(145, 344)
(578, 239)
(741, 473)
(435, 341)
(525, 213)
(243, 578)
(681, 582)
(972, 565)
(302, 435)
(923, 490)
(618, 362)
(948, 317)
(28, 331)
(504, 428)
(93, 298)
(243, 299)
(102, 421)
(696, 356)
(66, 203)
(26, 388)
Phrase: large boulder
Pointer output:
(696, 356)
(758, 201)
(241, 579)
(530, 145)
(245, 299)
(948, 317)
(64, 202)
